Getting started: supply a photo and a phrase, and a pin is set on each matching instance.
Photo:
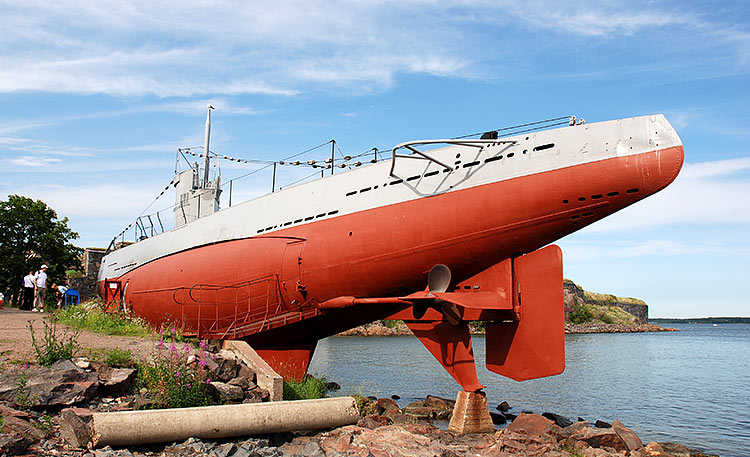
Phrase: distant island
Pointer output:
(585, 312)
(701, 320)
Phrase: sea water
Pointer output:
(690, 387)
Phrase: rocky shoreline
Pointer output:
(398, 328)
(34, 402)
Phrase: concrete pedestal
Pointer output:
(471, 414)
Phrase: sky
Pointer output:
(96, 97)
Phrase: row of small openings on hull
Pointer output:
(458, 165)
(297, 221)
(473, 287)
(598, 197)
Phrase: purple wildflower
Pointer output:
(178, 374)
(26, 365)
(172, 348)
(174, 330)
(161, 344)
(202, 363)
(186, 348)
(161, 332)
(203, 345)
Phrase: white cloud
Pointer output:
(35, 162)
(189, 48)
(617, 249)
(703, 193)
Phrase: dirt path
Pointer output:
(15, 338)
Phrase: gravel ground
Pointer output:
(15, 338)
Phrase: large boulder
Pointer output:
(227, 366)
(115, 381)
(598, 438)
(227, 392)
(62, 384)
(530, 435)
(17, 435)
(631, 440)
(441, 407)
(561, 421)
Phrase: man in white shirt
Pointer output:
(28, 291)
(40, 288)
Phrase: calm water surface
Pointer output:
(692, 386)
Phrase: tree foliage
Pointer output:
(31, 235)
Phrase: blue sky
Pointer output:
(97, 96)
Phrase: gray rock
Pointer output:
(305, 446)
(602, 424)
(241, 382)
(561, 421)
(227, 392)
(14, 444)
(504, 406)
(224, 450)
(498, 418)
(247, 372)
(62, 384)
(227, 365)
(116, 381)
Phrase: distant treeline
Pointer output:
(702, 320)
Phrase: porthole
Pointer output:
(632, 191)
(613, 194)
(597, 196)
(544, 146)
(581, 199)
(492, 159)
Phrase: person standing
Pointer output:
(40, 288)
(28, 291)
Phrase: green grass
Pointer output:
(114, 357)
(310, 388)
(97, 320)
(601, 299)
(605, 314)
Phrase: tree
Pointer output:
(31, 235)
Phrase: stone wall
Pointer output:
(86, 285)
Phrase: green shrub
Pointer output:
(308, 389)
(173, 382)
(24, 399)
(53, 348)
(365, 406)
(580, 314)
(44, 423)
